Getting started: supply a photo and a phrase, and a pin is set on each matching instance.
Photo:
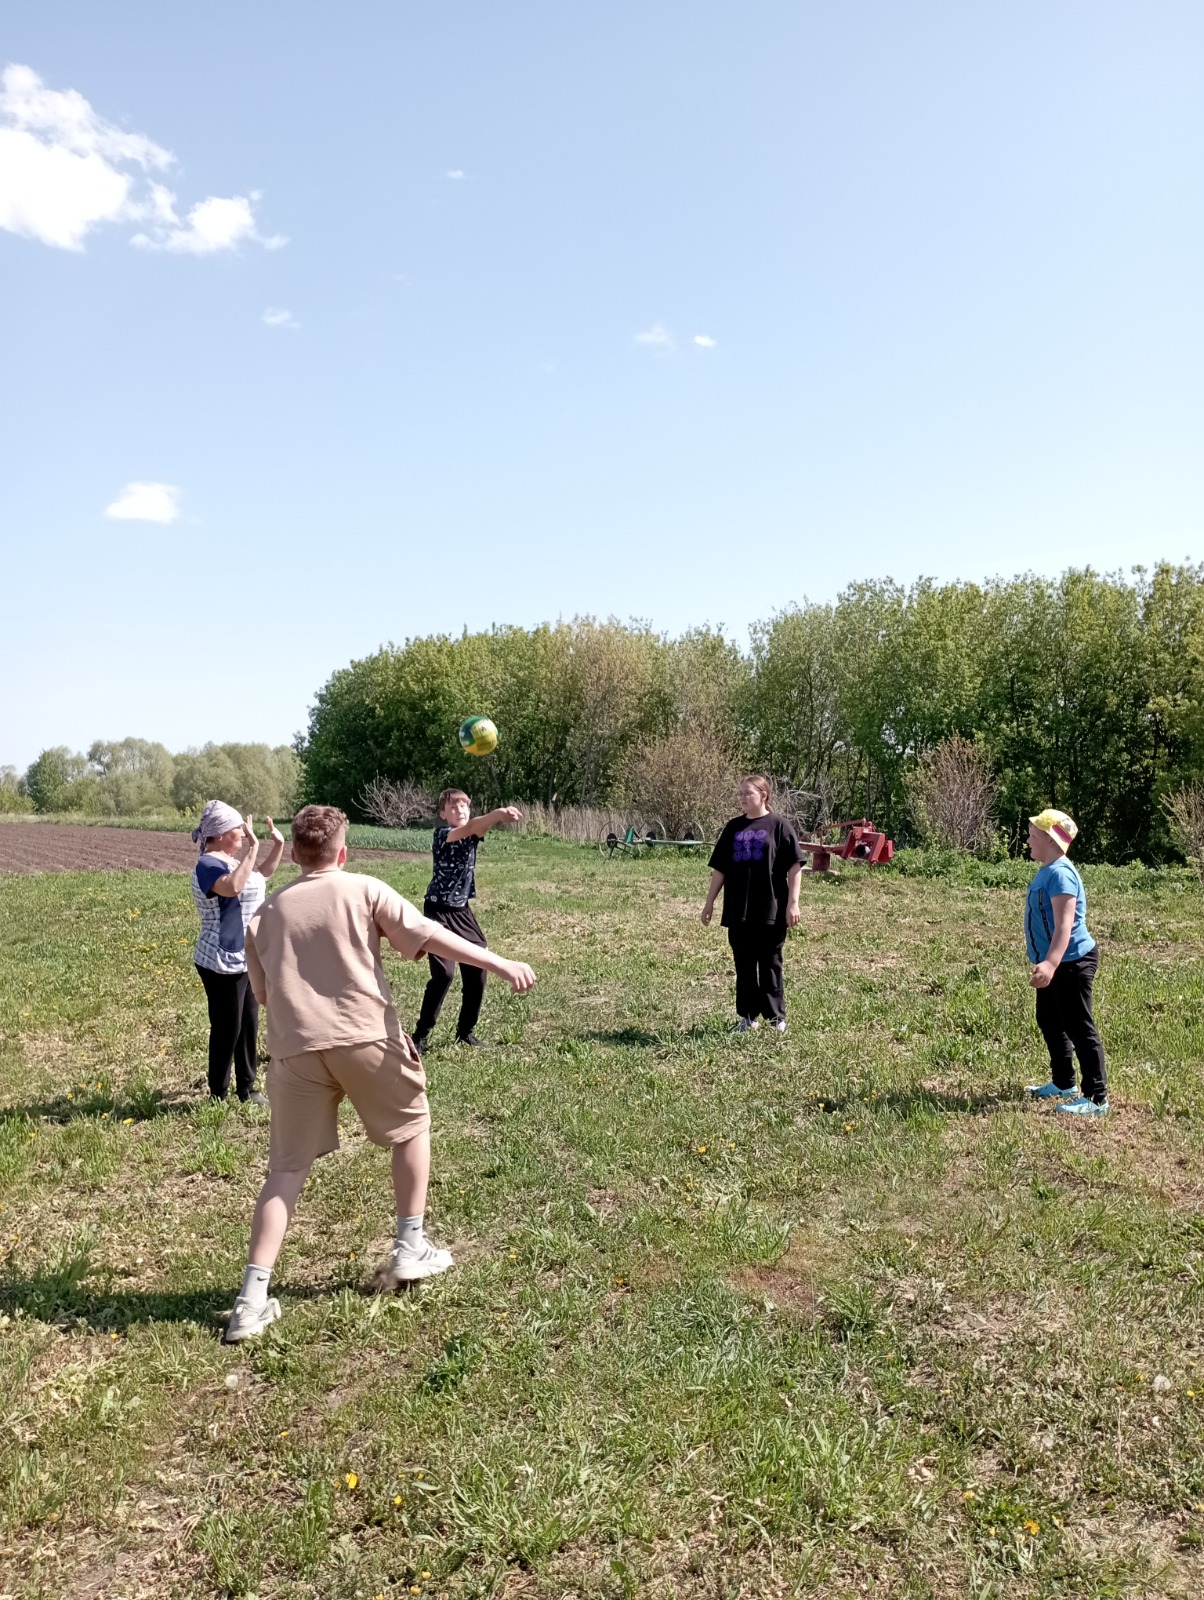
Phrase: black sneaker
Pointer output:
(422, 1043)
(470, 1038)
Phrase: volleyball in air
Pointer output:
(478, 736)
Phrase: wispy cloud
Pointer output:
(278, 317)
(146, 502)
(65, 170)
(705, 340)
(656, 338)
(457, 174)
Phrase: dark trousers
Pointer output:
(758, 955)
(233, 1031)
(1065, 1020)
(456, 919)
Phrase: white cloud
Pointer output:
(146, 502)
(657, 338)
(64, 170)
(705, 340)
(278, 317)
(456, 174)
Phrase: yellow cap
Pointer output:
(1060, 828)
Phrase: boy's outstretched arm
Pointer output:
(451, 947)
(480, 826)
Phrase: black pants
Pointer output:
(456, 919)
(233, 1031)
(758, 955)
(1064, 1018)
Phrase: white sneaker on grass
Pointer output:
(780, 1025)
(411, 1263)
(747, 1024)
(248, 1321)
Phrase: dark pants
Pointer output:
(758, 955)
(1064, 1018)
(233, 1031)
(456, 919)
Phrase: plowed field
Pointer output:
(61, 847)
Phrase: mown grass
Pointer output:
(828, 1315)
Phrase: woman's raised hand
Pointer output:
(275, 832)
(248, 831)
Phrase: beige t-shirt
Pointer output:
(313, 955)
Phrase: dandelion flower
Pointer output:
(1032, 1527)
(125, 1121)
(425, 1574)
(702, 1149)
(396, 1499)
(351, 1479)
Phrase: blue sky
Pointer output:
(946, 258)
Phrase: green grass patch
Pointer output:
(829, 1314)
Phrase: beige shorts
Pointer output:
(383, 1079)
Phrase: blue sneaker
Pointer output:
(1049, 1091)
(1082, 1107)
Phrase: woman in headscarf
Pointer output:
(229, 888)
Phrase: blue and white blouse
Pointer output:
(221, 946)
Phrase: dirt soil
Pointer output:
(62, 847)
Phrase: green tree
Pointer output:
(50, 777)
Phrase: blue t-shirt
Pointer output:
(454, 882)
(1058, 877)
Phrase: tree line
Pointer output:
(1084, 691)
(134, 777)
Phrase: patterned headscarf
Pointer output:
(216, 819)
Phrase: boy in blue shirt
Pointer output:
(452, 886)
(1065, 960)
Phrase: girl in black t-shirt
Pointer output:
(757, 863)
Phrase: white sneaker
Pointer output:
(409, 1263)
(747, 1024)
(780, 1025)
(248, 1321)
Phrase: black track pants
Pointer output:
(460, 920)
(1065, 1020)
(233, 1031)
(758, 955)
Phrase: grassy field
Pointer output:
(835, 1314)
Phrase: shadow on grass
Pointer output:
(643, 1038)
(906, 1103)
(45, 1297)
(142, 1108)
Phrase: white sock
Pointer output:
(409, 1231)
(255, 1285)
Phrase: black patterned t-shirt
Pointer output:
(454, 882)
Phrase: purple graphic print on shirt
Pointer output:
(749, 845)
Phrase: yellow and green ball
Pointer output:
(478, 736)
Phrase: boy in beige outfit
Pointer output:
(313, 956)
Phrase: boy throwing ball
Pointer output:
(313, 955)
(1065, 960)
(452, 886)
